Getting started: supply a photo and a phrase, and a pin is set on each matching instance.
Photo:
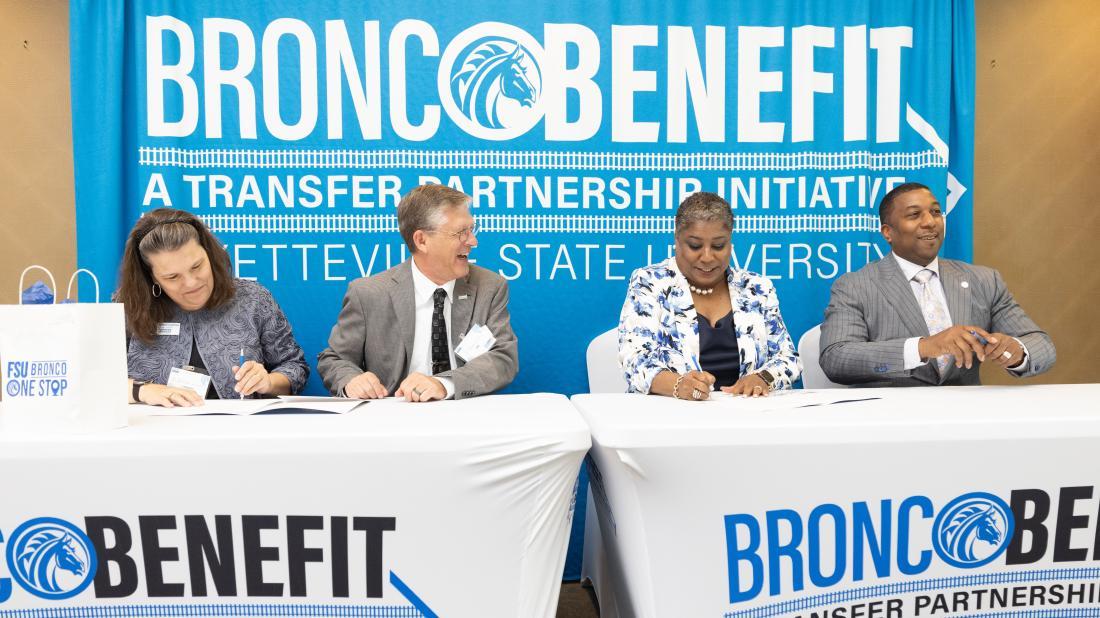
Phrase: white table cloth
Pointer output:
(731, 508)
(455, 508)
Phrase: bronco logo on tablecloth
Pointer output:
(112, 558)
(972, 530)
(51, 558)
(886, 543)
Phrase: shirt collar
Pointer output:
(910, 269)
(424, 288)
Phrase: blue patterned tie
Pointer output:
(935, 314)
(441, 356)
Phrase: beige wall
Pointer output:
(1036, 166)
(36, 142)
(1037, 148)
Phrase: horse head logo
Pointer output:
(515, 83)
(51, 558)
(490, 81)
(492, 71)
(45, 554)
(972, 530)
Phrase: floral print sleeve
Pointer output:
(645, 340)
(781, 357)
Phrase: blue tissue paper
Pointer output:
(38, 294)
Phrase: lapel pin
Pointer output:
(462, 297)
(965, 284)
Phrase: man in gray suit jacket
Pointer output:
(912, 319)
(394, 328)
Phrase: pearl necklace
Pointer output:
(700, 291)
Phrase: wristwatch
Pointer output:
(137, 388)
(767, 377)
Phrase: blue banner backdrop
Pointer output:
(293, 128)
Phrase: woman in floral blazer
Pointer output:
(691, 322)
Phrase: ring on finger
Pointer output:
(696, 393)
(417, 391)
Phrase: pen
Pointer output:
(695, 363)
(981, 339)
(1006, 354)
(241, 366)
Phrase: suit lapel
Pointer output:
(958, 306)
(404, 306)
(897, 291)
(462, 311)
(958, 297)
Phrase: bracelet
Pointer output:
(676, 387)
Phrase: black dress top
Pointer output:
(718, 352)
(196, 362)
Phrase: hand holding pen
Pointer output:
(694, 385)
(251, 377)
(1001, 349)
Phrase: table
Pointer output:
(393, 509)
(911, 502)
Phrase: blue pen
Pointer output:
(240, 365)
(981, 339)
(695, 362)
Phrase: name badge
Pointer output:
(182, 378)
(477, 341)
(168, 329)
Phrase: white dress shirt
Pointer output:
(421, 358)
(910, 270)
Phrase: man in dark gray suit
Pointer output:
(398, 331)
(912, 319)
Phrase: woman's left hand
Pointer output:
(751, 385)
(252, 378)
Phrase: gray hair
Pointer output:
(423, 209)
(703, 207)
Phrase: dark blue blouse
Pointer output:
(718, 352)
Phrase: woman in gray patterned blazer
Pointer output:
(185, 308)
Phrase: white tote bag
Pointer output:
(62, 366)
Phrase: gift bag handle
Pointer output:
(53, 283)
(95, 279)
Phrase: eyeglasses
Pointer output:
(462, 235)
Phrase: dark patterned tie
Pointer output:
(441, 357)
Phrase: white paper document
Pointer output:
(245, 407)
(789, 400)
